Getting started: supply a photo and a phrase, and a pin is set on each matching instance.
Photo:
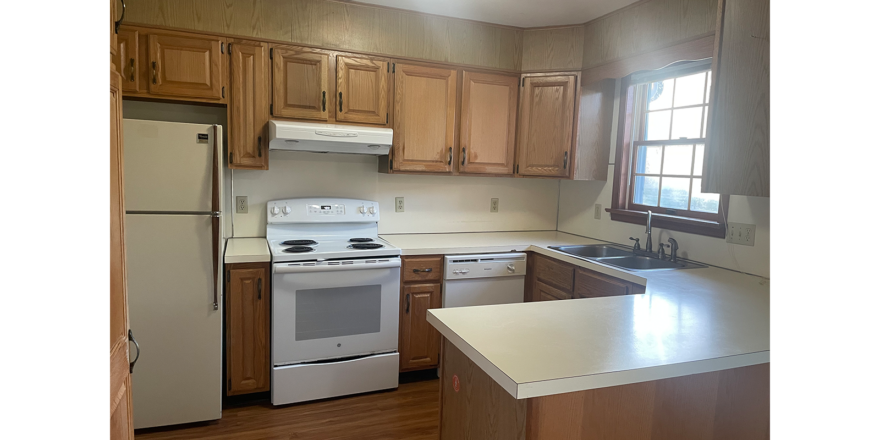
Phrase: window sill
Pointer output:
(670, 222)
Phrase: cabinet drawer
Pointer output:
(554, 272)
(549, 293)
(593, 284)
(429, 268)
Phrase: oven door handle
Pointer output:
(295, 268)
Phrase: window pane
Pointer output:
(658, 126)
(689, 89)
(645, 190)
(678, 159)
(648, 160)
(703, 202)
(698, 160)
(686, 122)
(708, 86)
(674, 193)
(705, 119)
(660, 94)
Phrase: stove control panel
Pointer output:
(323, 210)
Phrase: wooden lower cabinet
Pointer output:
(549, 279)
(419, 341)
(248, 299)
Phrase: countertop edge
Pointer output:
(246, 250)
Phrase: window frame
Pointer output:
(622, 208)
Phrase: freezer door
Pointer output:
(169, 167)
(171, 294)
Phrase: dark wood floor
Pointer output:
(411, 412)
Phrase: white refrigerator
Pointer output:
(174, 241)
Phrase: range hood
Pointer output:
(329, 138)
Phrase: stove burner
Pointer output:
(298, 249)
(298, 242)
(360, 240)
(365, 246)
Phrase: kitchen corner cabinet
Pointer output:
(248, 299)
(248, 105)
(419, 341)
(547, 114)
(424, 118)
(300, 83)
(552, 280)
(488, 123)
(737, 159)
(362, 89)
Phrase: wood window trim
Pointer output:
(623, 211)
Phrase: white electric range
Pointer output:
(335, 299)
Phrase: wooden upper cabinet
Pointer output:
(300, 83)
(128, 60)
(247, 328)
(546, 124)
(362, 89)
(187, 66)
(419, 340)
(488, 123)
(249, 105)
(424, 118)
(737, 158)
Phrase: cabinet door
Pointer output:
(546, 292)
(554, 272)
(299, 83)
(362, 86)
(249, 106)
(737, 159)
(488, 123)
(545, 125)
(419, 341)
(247, 328)
(186, 66)
(589, 284)
(127, 60)
(424, 118)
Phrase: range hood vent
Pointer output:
(329, 138)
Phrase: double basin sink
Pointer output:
(623, 258)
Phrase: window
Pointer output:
(661, 143)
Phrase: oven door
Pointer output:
(334, 309)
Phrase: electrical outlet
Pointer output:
(241, 205)
(493, 205)
(398, 204)
(597, 213)
(741, 233)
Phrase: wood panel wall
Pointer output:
(558, 48)
(345, 26)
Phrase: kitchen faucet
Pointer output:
(648, 247)
(674, 244)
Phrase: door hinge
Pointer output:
(386, 118)
(223, 92)
(271, 50)
(393, 67)
(221, 47)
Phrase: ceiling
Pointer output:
(520, 13)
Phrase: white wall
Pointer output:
(576, 208)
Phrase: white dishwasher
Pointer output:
(478, 280)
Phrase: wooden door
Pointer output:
(300, 83)
(419, 341)
(127, 60)
(545, 125)
(546, 292)
(362, 90)
(737, 158)
(590, 284)
(247, 328)
(121, 425)
(186, 66)
(424, 118)
(488, 123)
(249, 105)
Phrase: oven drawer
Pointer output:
(302, 382)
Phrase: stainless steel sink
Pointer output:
(640, 262)
(592, 251)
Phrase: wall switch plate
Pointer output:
(398, 204)
(493, 205)
(241, 204)
(741, 233)
(597, 213)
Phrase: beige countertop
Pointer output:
(688, 322)
(247, 250)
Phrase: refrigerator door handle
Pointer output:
(215, 212)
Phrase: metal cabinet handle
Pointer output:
(324, 101)
(407, 303)
(340, 102)
(422, 270)
(136, 356)
(131, 63)
(118, 22)
(565, 160)
(463, 155)
(259, 288)
(154, 72)
(450, 157)
(259, 146)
